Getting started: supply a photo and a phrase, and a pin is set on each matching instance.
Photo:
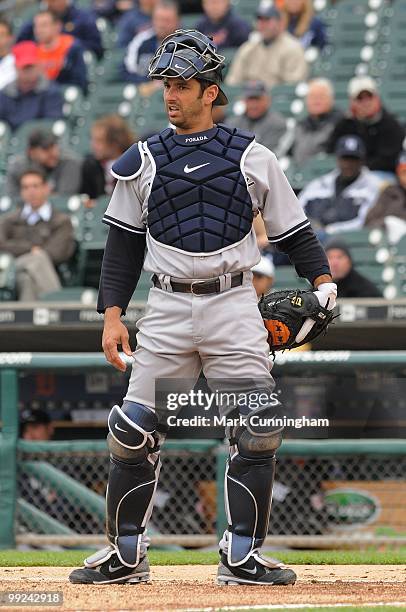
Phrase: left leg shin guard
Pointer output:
(248, 485)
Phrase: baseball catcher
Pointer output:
(183, 208)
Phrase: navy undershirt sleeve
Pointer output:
(121, 268)
(306, 254)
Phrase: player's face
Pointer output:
(340, 263)
(185, 103)
(401, 172)
(34, 190)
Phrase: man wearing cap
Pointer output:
(7, 67)
(268, 126)
(61, 167)
(339, 200)
(350, 283)
(35, 425)
(275, 56)
(380, 130)
(30, 96)
(392, 201)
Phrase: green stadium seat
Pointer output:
(287, 278)
(363, 254)
(18, 140)
(358, 237)
(148, 114)
(316, 166)
(190, 20)
(109, 70)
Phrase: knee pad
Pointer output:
(260, 436)
(131, 430)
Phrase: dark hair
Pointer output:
(117, 131)
(7, 25)
(41, 138)
(33, 170)
(204, 85)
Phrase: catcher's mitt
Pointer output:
(284, 313)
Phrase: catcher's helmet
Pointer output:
(189, 54)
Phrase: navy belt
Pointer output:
(201, 287)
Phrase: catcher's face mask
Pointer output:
(189, 54)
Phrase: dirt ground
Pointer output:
(189, 587)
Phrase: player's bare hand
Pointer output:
(115, 334)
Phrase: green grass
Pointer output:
(69, 558)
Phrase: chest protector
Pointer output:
(199, 201)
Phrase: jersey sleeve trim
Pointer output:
(290, 231)
(108, 220)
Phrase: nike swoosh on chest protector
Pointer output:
(193, 168)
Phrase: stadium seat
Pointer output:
(148, 115)
(109, 70)
(18, 140)
(318, 165)
(287, 278)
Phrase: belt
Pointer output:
(201, 287)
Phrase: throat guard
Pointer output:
(199, 201)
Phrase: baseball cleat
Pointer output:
(256, 570)
(110, 570)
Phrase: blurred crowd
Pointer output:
(43, 55)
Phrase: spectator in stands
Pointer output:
(61, 167)
(38, 236)
(135, 21)
(110, 137)
(36, 425)
(350, 283)
(140, 51)
(340, 200)
(76, 21)
(30, 96)
(274, 57)
(268, 126)
(60, 55)
(311, 133)
(381, 132)
(299, 19)
(222, 23)
(7, 66)
(112, 9)
(263, 275)
(392, 200)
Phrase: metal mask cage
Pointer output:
(185, 59)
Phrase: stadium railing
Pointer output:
(342, 493)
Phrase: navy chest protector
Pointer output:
(199, 200)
